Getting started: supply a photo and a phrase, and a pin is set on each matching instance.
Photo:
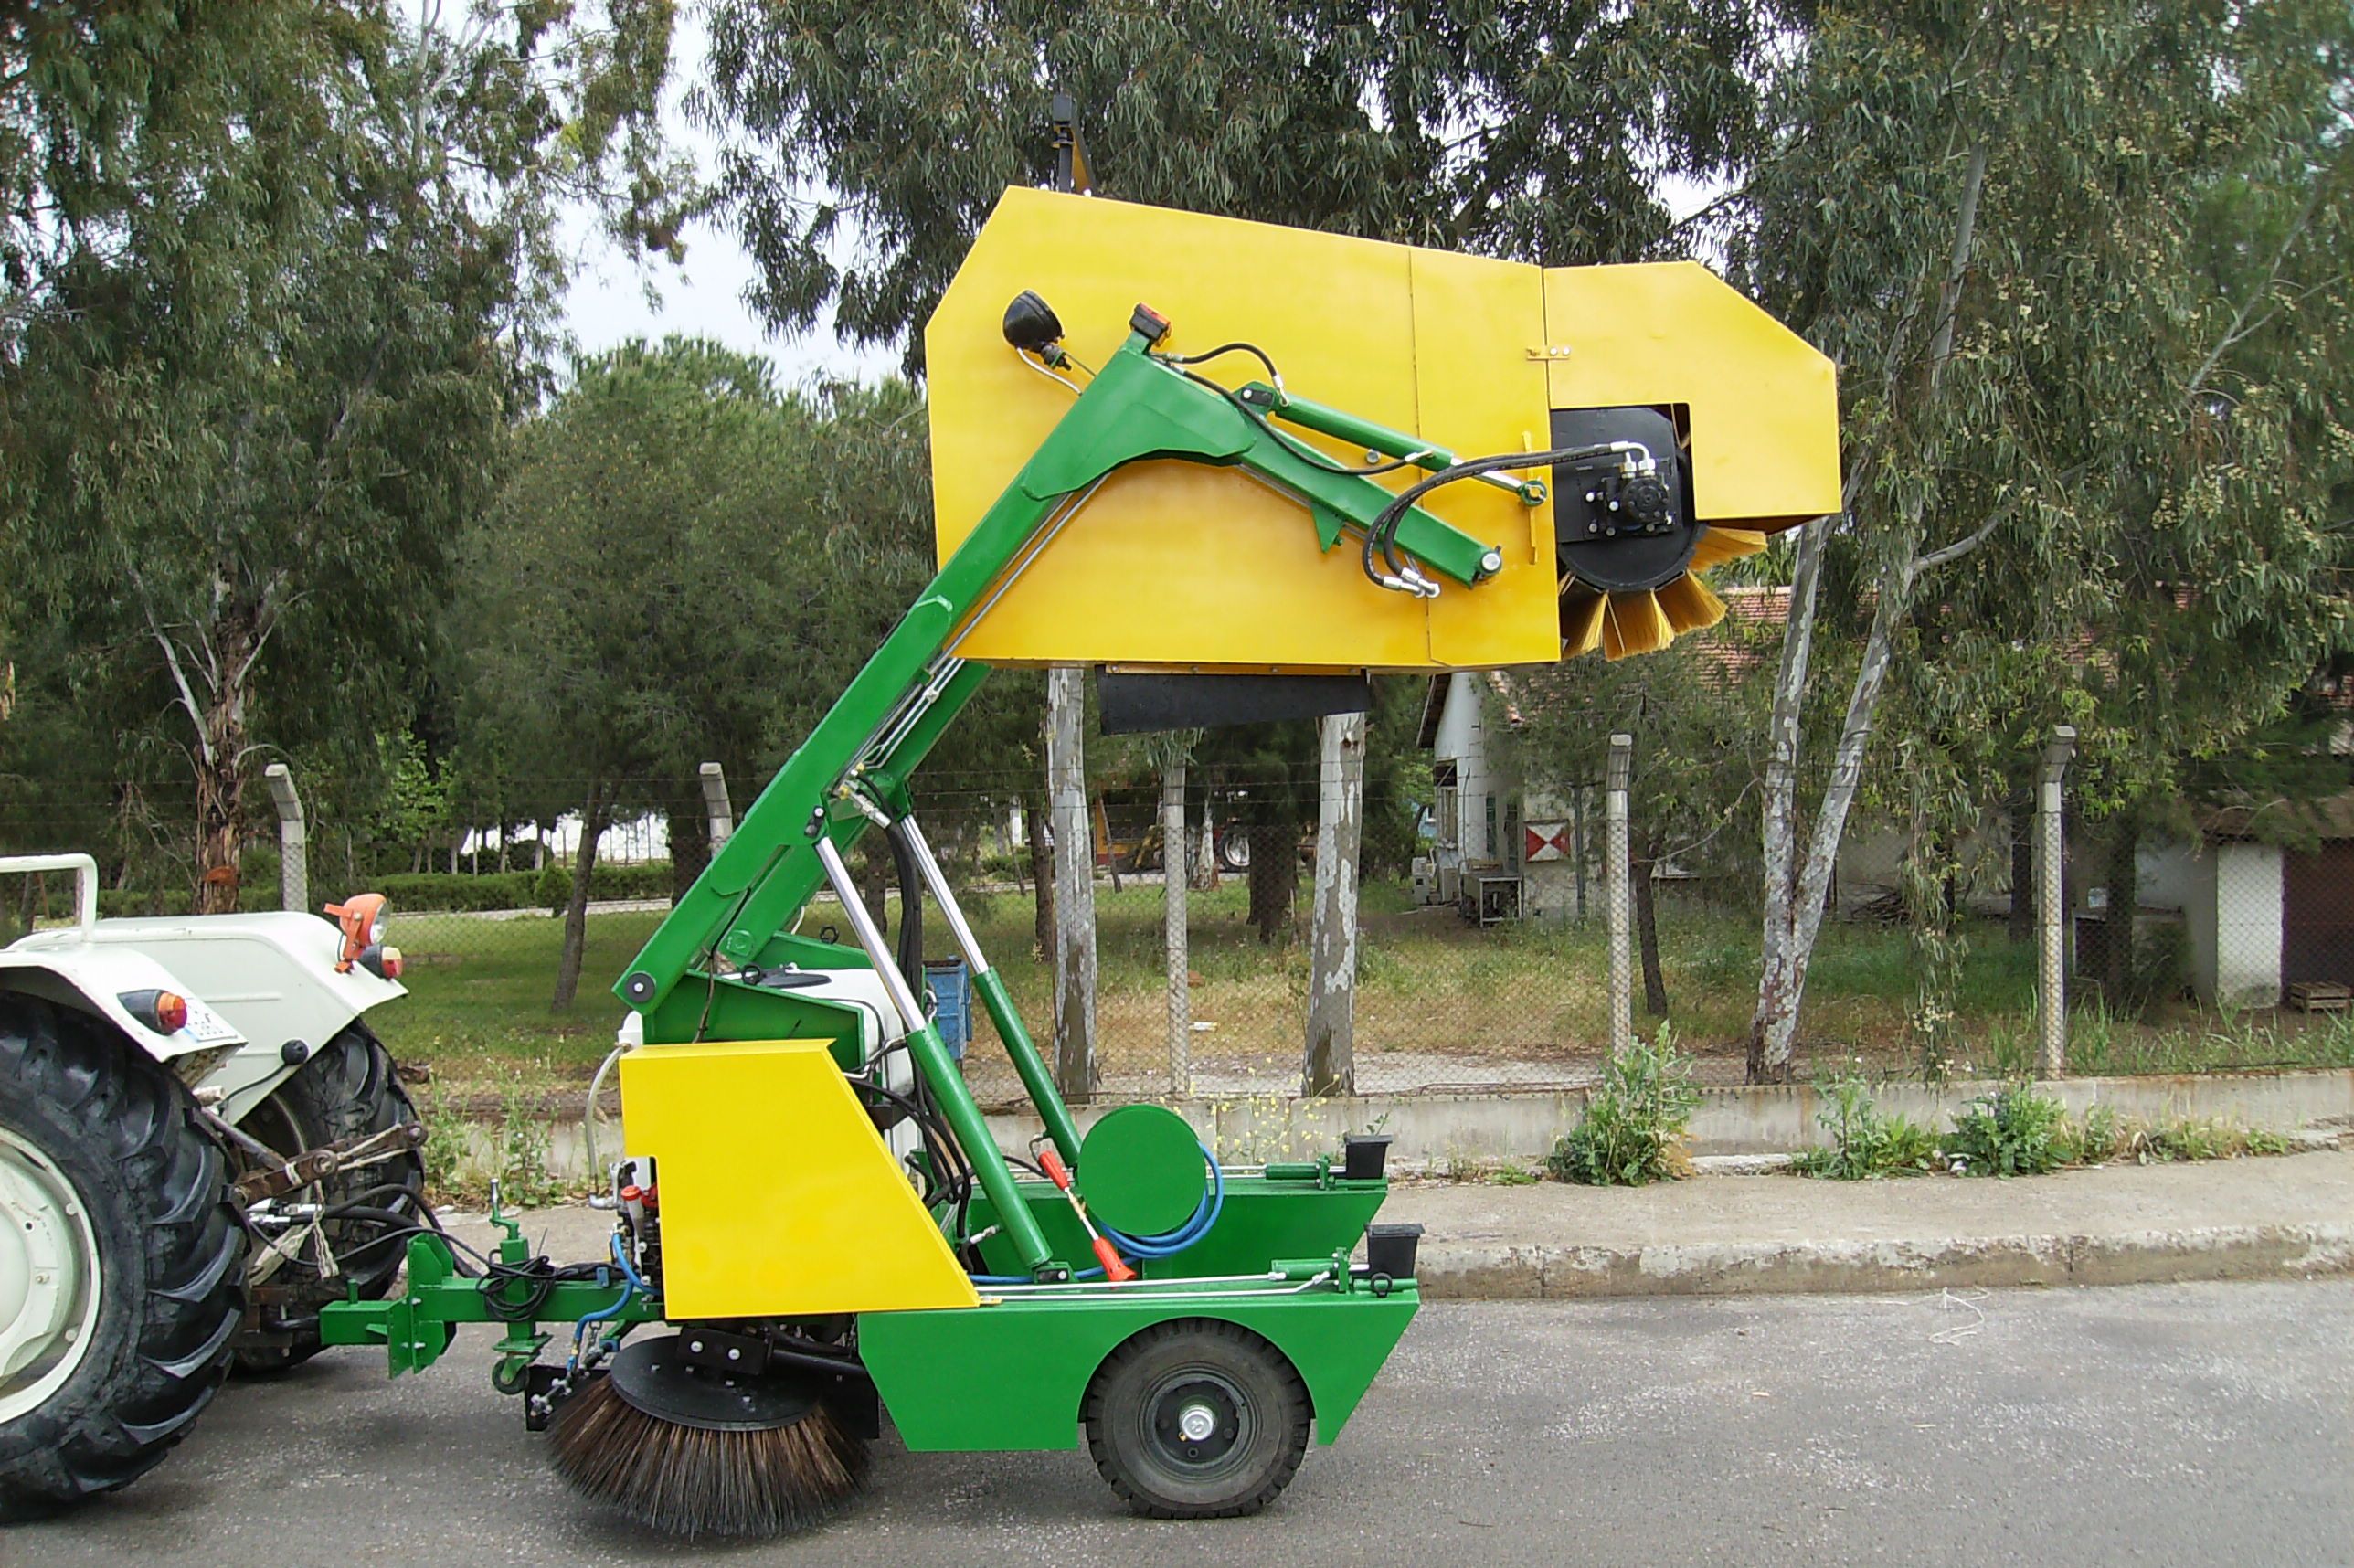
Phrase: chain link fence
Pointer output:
(1483, 936)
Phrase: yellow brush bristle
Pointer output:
(1635, 624)
(1582, 627)
(1689, 606)
(1718, 545)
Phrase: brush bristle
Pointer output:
(684, 1480)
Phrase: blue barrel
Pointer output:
(950, 983)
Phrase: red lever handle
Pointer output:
(1056, 1171)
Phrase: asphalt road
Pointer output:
(2200, 1424)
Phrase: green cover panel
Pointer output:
(1012, 1373)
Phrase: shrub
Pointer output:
(2014, 1131)
(2209, 1139)
(1864, 1142)
(1635, 1121)
(2096, 1138)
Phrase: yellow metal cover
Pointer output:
(1175, 566)
(778, 1198)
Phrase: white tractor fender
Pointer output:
(271, 975)
(90, 979)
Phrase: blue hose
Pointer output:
(1168, 1243)
(630, 1286)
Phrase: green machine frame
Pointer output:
(1278, 1258)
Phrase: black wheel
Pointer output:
(1234, 848)
(121, 1259)
(347, 1087)
(1197, 1419)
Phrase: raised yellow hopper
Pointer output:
(1182, 566)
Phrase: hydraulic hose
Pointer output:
(1168, 1244)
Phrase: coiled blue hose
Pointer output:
(1168, 1243)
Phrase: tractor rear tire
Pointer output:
(123, 1265)
(347, 1087)
(1197, 1419)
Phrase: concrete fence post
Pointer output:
(1075, 883)
(1174, 888)
(1619, 899)
(293, 840)
(1331, 1065)
(2050, 911)
(716, 804)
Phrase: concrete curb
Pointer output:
(1525, 1273)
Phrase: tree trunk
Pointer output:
(1075, 886)
(1111, 845)
(1205, 865)
(1274, 878)
(2123, 874)
(2019, 922)
(874, 875)
(1647, 938)
(1330, 1066)
(1776, 1002)
(220, 774)
(593, 814)
(1042, 876)
(1180, 1029)
(690, 838)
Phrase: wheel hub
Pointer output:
(1198, 1421)
(48, 1273)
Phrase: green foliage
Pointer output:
(1532, 131)
(1635, 1120)
(1865, 1142)
(2095, 1137)
(2012, 1131)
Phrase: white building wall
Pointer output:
(2231, 905)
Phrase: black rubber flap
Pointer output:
(1138, 704)
(653, 1375)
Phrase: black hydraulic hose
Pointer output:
(1383, 533)
(911, 908)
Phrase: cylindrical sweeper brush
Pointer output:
(693, 1450)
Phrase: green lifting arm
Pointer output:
(862, 753)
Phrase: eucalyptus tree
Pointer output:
(1993, 217)
(280, 274)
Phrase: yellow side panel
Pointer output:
(1178, 566)
(1763, 403)
(778, 1198)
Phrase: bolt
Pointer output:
(735, 1355)
(694, 1347)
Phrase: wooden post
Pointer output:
(1614, 870)
(1075, 886)
(1172, 929)
(1331, 1066)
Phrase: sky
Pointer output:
(608, 303)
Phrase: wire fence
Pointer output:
(1482, 951)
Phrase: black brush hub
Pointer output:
(656, 1377)
(1615, 531)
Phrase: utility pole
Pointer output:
(1331, 1066)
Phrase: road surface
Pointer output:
(2198, 1425)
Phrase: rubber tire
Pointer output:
(348, 1086)
(171, 1259)
(1276, 1398)
(1234, 848)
